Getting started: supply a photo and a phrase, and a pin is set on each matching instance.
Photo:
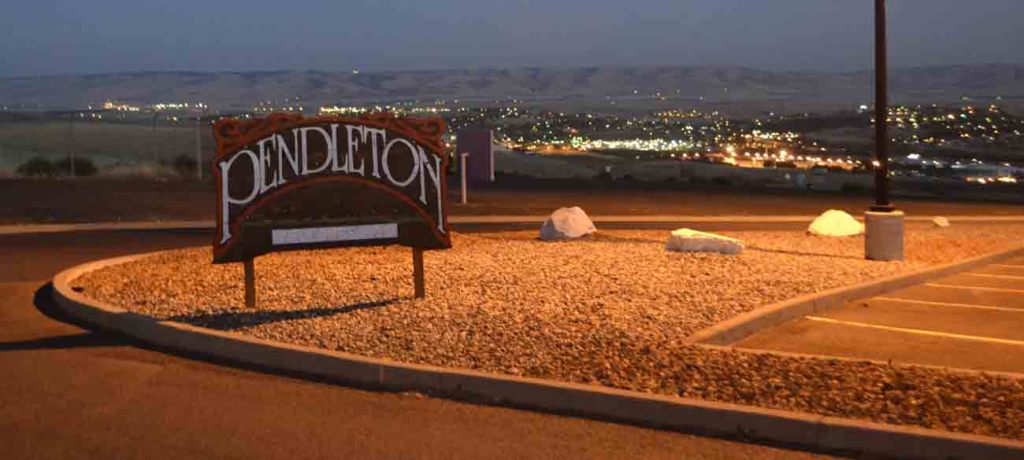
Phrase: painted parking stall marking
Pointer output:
(950, 304)
(976, 288)
(915, 331)
(1002, 277)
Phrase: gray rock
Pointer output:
(567, 224)
(686, 240)
(836, 223)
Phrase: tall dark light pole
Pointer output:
(882, 203)
(883, 224)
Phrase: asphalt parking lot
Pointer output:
(973, 320)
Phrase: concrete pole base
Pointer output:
(883, 238)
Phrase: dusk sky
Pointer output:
(97, 36)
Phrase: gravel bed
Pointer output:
(611, 310)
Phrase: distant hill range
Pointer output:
(637, 87)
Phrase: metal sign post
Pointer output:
(250, 283)
(417, 273)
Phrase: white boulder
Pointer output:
(941, 222)
(686, 240)
(566, 224)
(835, 223)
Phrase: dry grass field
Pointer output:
(117, 148)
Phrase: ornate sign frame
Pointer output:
(273, 157)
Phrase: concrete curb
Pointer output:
(19, 229)
(742, 326)
(22, 229)
(682, 414)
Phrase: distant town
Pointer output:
(975, 143)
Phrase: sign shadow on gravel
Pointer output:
(237, 320)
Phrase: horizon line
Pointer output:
(499, 68)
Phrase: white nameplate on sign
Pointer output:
(285, 237)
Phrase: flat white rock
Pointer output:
(687, 240)
(835, 223)
(941, 222)
(567, 224)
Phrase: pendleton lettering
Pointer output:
(263, 159)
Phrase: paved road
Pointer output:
(115, 200)
(972, 320)
(70, 393)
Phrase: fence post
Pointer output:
(199, 145)
(462, 170)
(71, 143)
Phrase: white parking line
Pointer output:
(950, 304)
(1002, 277)
(947, 335)
(1007, 265)
(975, 288)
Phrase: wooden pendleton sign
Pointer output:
(287, 182)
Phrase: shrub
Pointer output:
(185, 167)
(849, 187)
(37, 167)
(720, 180)
(84, 167)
